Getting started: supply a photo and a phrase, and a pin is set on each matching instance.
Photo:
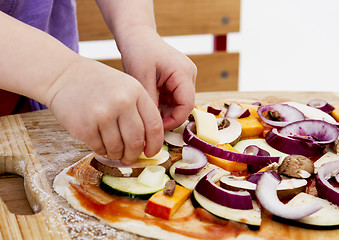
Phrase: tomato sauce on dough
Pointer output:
(112, 208)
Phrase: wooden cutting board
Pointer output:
(36, 147)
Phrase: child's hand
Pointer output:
(107, 109)
(168, 75)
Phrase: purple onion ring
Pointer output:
(321, 105)
(287, 113)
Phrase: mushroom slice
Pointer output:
(297, 166)
(115, 168)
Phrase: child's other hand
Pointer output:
(107, 109)
(168, 75)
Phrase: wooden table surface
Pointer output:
(36, 141)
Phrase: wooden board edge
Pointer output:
(17, 156)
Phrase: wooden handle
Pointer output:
(18, 157)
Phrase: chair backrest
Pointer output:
(218, 70)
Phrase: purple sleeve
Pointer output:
(36, 106)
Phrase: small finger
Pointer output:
(112, 140)
(133, 135)
(154, 131)
(94, 141)
(183, 103)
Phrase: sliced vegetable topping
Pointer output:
(231, 133)
(214, 111)
(321, 105)
(164, 206)
(226, 164)
(193, 160)
(191, 139)
(312, 113)
(152, 176)
(335, 112)
(190, 181)
(255, 150)
(325, 189)
(255, 177)
(130, 186)
(296, 166)
(306, 137)
(173, 138)
(291, 145)
(206, 126)
(261, 143)
(234, 110)
(327, 157)
(313, 130)
(116, 169)
(231, 199)
(169, 188)
(250, 216)
(287, 189)
(295, 135)
(328, 216)
(234, 183)
(266, 193)
(279, 114)
(257, 103)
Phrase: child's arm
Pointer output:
(31, 61)
(167, 75)
(109, 110)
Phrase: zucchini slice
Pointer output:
(130, 186)
(251, 216)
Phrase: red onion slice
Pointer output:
(246, 113)
(191, 139)
(286, 190)
(337, 177)
(307, 137)
(257, 103)
(325, 189)
(291, 145)
(255, 150)
(219, 195)
(255, 177)
(214, 111)
(287, 113)
(321, 105)
(312, 113)
(319, 131)
(266, 193)
(193, 160)
(235, 111)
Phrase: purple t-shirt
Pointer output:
(56, 17)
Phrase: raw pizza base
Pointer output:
(269, 228)
(63, 186)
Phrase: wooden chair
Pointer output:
(217, 71)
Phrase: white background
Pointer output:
(290, 45)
